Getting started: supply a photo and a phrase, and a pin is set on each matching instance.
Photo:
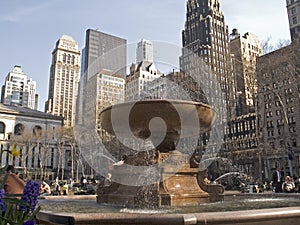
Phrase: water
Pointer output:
(238, 174)
(231, 203)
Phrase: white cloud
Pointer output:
(22, 12)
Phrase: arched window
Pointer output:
(19, 128)
(2, 128)
(64, 57)
(68, 58)
(37, 131)
(73, 60)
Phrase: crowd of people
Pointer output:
(14, 185)
(279, 183)
(286, 184)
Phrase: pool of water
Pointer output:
(230, 203)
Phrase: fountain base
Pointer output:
(179, 186)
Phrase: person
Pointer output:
(55, 188)
(107, 181)
(45, 189)
(288, 185)
(84, 182)
(277, 180)
(14, 185)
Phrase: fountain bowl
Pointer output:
(173, 112)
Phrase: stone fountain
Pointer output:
(175, 177)
(175, 181)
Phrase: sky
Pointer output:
(30, 28)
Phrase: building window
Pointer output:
(295, 21)
(19, 128)
(293, 10)
(37, 131)
(2, 128)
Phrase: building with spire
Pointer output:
(205, 36)
(64, 79)
(18, 90)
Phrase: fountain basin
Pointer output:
(173, 112)
(212, 213)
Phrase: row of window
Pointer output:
(19, 129)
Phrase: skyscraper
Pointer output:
(18, 90)
(206, 36)
(144, 51)
(64, 78)
(103, 58)
(293, 10)
(103, 51)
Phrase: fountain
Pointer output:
(176, 181)
(176, 193)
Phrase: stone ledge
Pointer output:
(278, 216)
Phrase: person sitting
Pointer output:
(288, 185)
(14, 185)
(45, 189)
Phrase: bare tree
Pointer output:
(268, 47)
(26, 141)
(64, 139)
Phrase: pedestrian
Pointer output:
(288, 185)
(277, 180)
(45, 189)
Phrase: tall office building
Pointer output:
(245, 49)
(293, 10)
(103, 51)
(144, 51)
(206, 37)
(103, 89)
(64, 78)
(18, 90)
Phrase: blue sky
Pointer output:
(30, 28)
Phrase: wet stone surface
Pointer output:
(231, 203)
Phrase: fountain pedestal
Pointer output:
(179, 186)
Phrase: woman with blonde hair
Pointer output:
(288, 185)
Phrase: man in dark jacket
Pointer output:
(277, 180)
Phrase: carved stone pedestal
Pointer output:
(179, 185)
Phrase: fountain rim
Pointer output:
(278, 215)
(151, 101)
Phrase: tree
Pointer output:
(65, 139)
(25, 141)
